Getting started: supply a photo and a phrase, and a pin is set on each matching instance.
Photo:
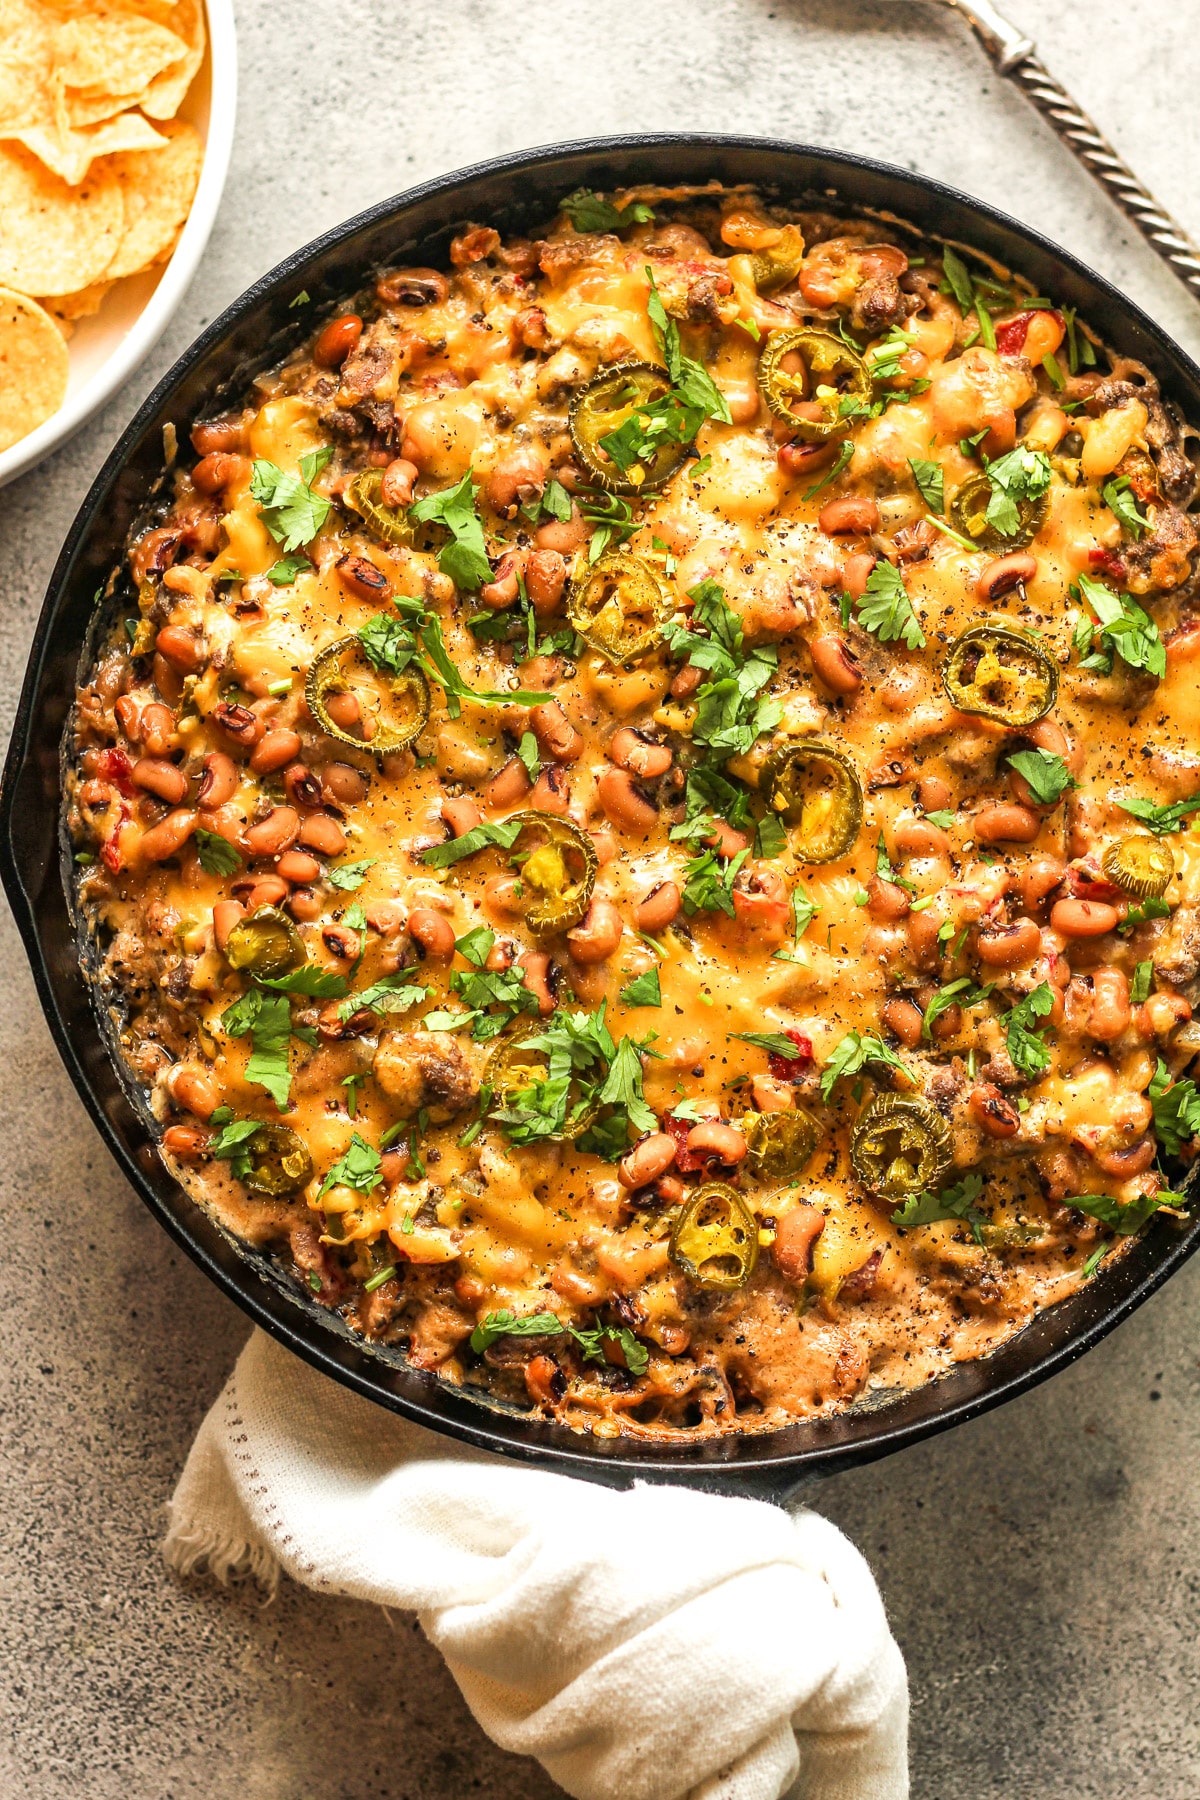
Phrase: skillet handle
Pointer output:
(1013, 54)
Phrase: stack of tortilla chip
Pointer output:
(97, 175)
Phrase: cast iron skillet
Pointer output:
(514, 193)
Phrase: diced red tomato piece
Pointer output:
(116, 767)
(687, 1162)
(792, 1068)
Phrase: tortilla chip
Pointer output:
(23, 99)
(89, 300)
(56, 239)
(159, 187)
(164, 96)
(109, 50)
(33, 367)
(71, 153)
(91, 109)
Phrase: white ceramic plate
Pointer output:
(106, 348)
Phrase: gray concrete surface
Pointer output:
(1040, 1565)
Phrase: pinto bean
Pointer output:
(193, 1090)
(304, 904)
(545, 579)
(856, 572)
(917, 837)
(181, 648)
(168, 837)
(714, 1138)
(556, 735)
(1006, 946)
(266, 890)
(275, 750)
(515, 480)
(686, 682)
(1006, 824)
(597, 934)
(854, 513)
(412, 287)
(992, 1112)
(507, 786)
(1040, 876)
(660, 908)
(905, 1019)
(649, 1159)
(157, 776)
(344, 709)
(886, 900)
(1160, 1014)
(239, 723)
(1004, 573)
(297, 865)
(921, 930)
(225, 915)
(337, 340)
(1083, 918)
(324, 835)
(835, 663)
(363, 579)
(796, 1234)
(274, 834)
(433, 931)
(1111, 1012)
(461, 815)
(302, 787)
(761, 902)
(630, 750)
(186, 1143)
(563, 535)
(399, 479)
(218, 434)
(623, 804)
(342, 784)
(156, 728)
(219, 470)
(551, 792)
(536, 973)
(1127, 1160)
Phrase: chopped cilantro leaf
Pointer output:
(931, 482)
(844, 456)
(504, 834)
(1176, 1106)
(1047, 775)
(217, 855)
(885, 609)
(285, 571)
(590, 212)
(359, 1168)
(465, 558)
(351, 875)
(268, 1020)
(1119, 499)
(290, 510)
(775, 1043)
(643, 990)
(1162, 820)
(1129, 630)
(1026, 1048)
(1021, 475)
(853, 1053)
(957, 1202)
(963, 992)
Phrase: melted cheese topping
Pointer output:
(462, 1224)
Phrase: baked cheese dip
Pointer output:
(637, 812)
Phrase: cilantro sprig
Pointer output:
(956, 1202)
(592, 212)
(287, 504)
(464, 559)
(1123, 627)
(1162, 821)
(1026, 1046)
(885, 609)
(852, 1054)
(1047, 775)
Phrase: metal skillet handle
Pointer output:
(1013, 54)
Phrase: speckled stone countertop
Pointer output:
(1041, 1565)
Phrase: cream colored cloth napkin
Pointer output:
(643, 1645)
